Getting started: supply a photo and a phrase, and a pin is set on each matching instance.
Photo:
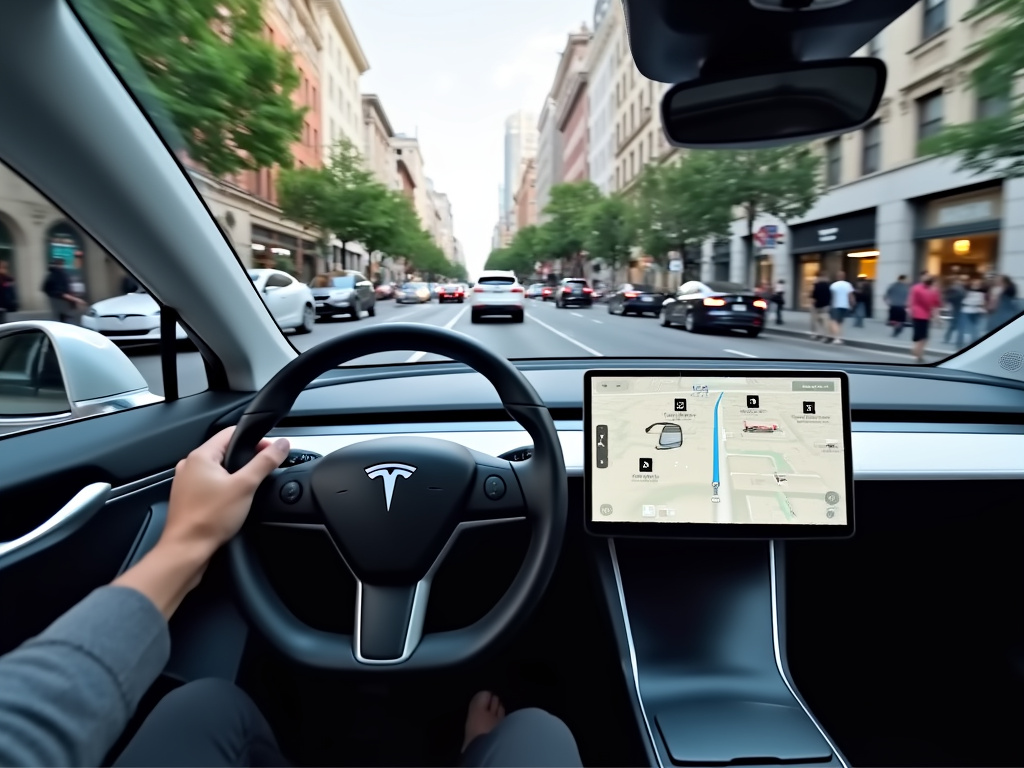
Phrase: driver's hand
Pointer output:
(208, 504)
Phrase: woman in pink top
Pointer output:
(924, 300)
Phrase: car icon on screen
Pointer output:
(671, 435)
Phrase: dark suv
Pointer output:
(574, 292)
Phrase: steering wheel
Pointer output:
(394, 506)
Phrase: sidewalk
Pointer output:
(874, 335)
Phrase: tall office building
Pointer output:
(520, 146)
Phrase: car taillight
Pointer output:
(517, 289)
(588, 290)
(760, 303)
(478, 289)
(631, 294)
(714, 302)
(567, 289)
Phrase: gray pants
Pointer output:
(215, 723)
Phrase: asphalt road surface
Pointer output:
(546, 332)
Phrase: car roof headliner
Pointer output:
(673, 41)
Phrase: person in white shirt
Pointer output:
(843, 300)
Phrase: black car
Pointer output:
(729, 306)
(574, 292)
(635, 298)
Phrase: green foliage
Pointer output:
(781, 181)
(226, 88)
(997, 142)
(684, 204)
(565, 233)
(611, 231)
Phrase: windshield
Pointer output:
(883, 245)
(347, 281)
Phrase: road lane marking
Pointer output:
(576, 314)
(447, 326)
(737, 352)
(557, 332)
(596, 321)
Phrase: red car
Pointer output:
(751, 426)
(451, 293)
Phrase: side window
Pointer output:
(52, 269)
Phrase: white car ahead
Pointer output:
(498, 292)
(135, 317)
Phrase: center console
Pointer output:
(692, 487)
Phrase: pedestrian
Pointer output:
(57, 287)
(76, 281)
(821, 298)
(1003, 304)
(924, 302)
(8, 292)
(779, 297)
(896, 296)
(843, 298)
(860, 309)
(973, 310)
(954, 297)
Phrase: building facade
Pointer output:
(573, 122)
(601, 65)
(888, 210)
(408, 160)
(342, 62)
(520, 146)
(376, 144)
(525, 203)
(549, 155)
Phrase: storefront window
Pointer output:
(64, 243)
(6, 245)
(973, 255)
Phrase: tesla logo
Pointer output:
(121, 317)
(389, 473)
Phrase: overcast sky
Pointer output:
(451, 71)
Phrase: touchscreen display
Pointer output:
(754, 451)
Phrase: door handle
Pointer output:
(82, 507)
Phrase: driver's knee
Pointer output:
(531, 737)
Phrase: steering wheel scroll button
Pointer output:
(291, 492)
(494, 487)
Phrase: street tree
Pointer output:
(611, 231)
(783, 182)
(207, 63)
(565, 233)
(996, 140)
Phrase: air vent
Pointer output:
(518, 454)
(299, 457)
(1011, 361)
(794, 6)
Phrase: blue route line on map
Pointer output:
(714, 472)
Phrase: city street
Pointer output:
(548, 332)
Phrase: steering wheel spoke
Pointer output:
(389, 621)
(286, 498)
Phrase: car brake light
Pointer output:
(588, 290)
(517, 289)
(631, 294)
(760, 303)
(478, 289)
(714, 302)
(567, 289)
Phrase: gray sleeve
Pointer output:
(67, 694)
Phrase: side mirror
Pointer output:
(52, 372)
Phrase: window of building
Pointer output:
(934, 18)
(929, 115)
(833, 161)
(871, 151)
(641, 150)
(992, 105)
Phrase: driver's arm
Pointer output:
(67, 694)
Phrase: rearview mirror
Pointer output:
(796, 103)
(52, 372)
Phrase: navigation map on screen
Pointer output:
(767, 450)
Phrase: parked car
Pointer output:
(291, 302)
(730, 306)
(498, 292)
(574, 292)
(451, 292)
(130, 318)
(635, 298)
(343, 293)
(413, 293)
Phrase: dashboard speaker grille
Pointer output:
(1011, 361)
